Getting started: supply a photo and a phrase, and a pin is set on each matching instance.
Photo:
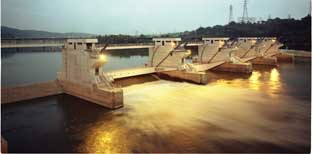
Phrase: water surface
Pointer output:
(267, 111)
(25, 66)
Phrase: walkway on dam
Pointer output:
(60, 44)
(130, 72)
(205, 67)
(248, 59)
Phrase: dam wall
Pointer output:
(110, 98)
(31, 91)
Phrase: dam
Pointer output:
(82, 74)
(72, 117)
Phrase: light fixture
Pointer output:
(103, 58)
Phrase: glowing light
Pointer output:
(188, 52)
(274, 82)
(221, 44)
(253, 41)
(254, 80)
(106, 138)
(274, 76)
(173, 44)
(103, 58)
(273, 40)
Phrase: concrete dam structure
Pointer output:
(82, 74)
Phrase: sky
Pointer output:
(138, 16)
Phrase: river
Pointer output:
(266, 111)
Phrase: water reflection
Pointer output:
(266, 80)
(254, 80)
(233, 113)
(165, 116)
(274, 82)
(17, 62)
(226, 115)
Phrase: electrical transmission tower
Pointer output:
(231, 18)
(245, 17)
(310, 5)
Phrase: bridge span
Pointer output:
(59, 42)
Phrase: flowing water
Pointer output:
(266, 111)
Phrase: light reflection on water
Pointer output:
(267, 111)
(267, 81)
(223, 116)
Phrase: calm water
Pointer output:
(267, 111)
(29, 67)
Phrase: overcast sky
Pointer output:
(141, 16)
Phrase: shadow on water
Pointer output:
(50, 124)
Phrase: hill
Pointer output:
(294, 34)
(7, 32)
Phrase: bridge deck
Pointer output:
(130, 72)
(128, 47)
(205, 67)
(272, 54)
(117, 74)
(248, 59)
(110, 47)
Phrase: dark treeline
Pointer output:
(295, 34)
(121, 39)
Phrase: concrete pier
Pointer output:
(198, 77)
(31, 91)
(264, 61)
(296, 55)
(284, 58)
(234, 68)
(82, 74)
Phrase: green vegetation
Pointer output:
(295, 34)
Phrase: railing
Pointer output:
(126, 44)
